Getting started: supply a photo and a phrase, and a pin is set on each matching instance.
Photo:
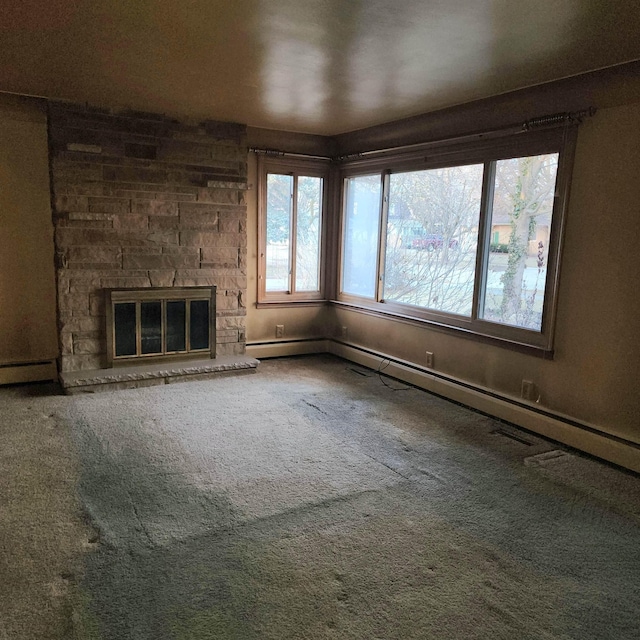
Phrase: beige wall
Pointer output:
(594, 373)
(27, 291)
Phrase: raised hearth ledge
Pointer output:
(147, 375)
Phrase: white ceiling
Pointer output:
(316, 66)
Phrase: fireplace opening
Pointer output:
(153, 324)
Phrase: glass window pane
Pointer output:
(199, 325)
(176, 325)
(151, 327)
(521, 220)
(124, 318)
(279, 207)
(362, 222)
(308, 226)
(432, 236)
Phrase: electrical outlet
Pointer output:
(429, 359)
(528, 390)
(279, 330)
(343, 333)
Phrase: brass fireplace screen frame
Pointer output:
(163, 296)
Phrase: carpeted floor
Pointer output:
(312, 501)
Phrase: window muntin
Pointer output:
(432, 237)
(361, 233)
(553, 148)
(292, 200)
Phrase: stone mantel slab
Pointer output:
(133, 376)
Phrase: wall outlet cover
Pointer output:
(528, 390)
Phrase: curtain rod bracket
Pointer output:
(349, 156)
(267, 152)
(555, 119)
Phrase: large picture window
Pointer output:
(467, 238)
(432, 236)
(292, 204)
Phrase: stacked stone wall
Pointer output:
(144, 201)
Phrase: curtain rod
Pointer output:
(541, 122)
(275, 153)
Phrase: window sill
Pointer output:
(464, 332)
(275, 304)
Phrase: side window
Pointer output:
(278, 232)
(291, 211)
(361, 233)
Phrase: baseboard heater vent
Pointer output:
(512, 436)
(359, 372)
(543, 422)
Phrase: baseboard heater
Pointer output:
(21, 372)
(555, 426)
(281, 348)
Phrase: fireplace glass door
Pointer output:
(176, 327)
(151, 327)
(152, 323)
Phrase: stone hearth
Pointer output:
(131, 377)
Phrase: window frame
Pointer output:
(295, 167)
(486, 150)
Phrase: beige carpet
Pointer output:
(312, 501)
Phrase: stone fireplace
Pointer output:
(142, 201)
